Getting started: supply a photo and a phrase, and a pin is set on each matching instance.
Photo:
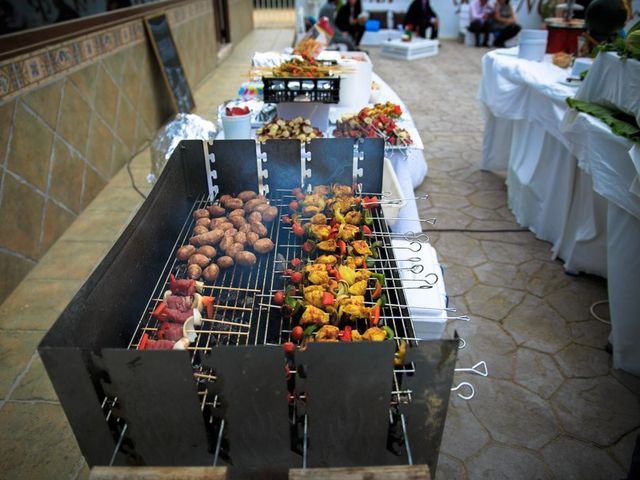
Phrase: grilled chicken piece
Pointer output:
(319, 219)
(353, 218)
(361, 247)
(374, 334)
(313, 295)
(319, 277)
(314, 267)
(321, 190)
(348, 232)
(362, 275)
(314, 200)
(314, 316)
(358, 288)
(319, 232)
(354, 262)
(341, 190)
(311, 210)
(327, 245)
(327, 259)
(327, 333)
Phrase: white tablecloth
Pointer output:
(613, 163)
(524, 104)
(612, 82)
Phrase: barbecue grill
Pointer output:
(227, 400)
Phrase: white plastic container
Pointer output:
(533, 44)
(237, 127)
(355, 84)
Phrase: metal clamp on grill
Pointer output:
(163, 358)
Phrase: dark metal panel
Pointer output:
(105, 311)
(434, 362)
(191, 156)
(252, 386)
(372, 163)
(75, 389)
(236, 165)
(159, 402)
(331, 160)
(283, 164)
(347, 390)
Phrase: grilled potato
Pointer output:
(226, 225)
(207, 251)
(246, 259)
(234, 249)
(200, 229)
(260, 229)
(203, 221)
(226, 243)
(201, 213)
(252, 237)
(270, 214)
(199, 259)
(230, 233)
(238, 211)
(264, 245)
(237, 221)
(216, 210)
(184, 252)
(210, 273)
(247, 195)
(225, 262)
(255, 217)
(194, 271)
(233, 203)
(208, 238)
(240, 237)
(252, 204)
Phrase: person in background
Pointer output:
(481, 16)
(329, 10)
(504, 22)
(350, 19)
(422, 16)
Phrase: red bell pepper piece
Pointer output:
(328, 299)
(375, 316)
(208, 303)
(298, 231)
(342, 247)
(159, 312)
(308, 246)
(182, 287)
(334, 222)
(377, 291)
(370, 202)
(366, 230)
(346, 334)
(143, 341)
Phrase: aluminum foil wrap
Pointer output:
(185, 126)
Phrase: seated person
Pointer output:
(351, 20)
(504, 22)
(422, 17)
(481, 16)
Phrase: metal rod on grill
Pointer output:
(226, 322)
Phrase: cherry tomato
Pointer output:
(296, 277)
(295, 262)
(297, 229)
(286, 219)
(289, 348)
(293, 206)
(278, 298)
(296, 333)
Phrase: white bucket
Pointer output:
(532, 44)
(531, 34)
(237, 127)
(355, 86)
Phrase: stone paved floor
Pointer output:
(551, 407)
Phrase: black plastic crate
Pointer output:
(301, 89)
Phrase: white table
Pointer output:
(413, 50)
(524, 103)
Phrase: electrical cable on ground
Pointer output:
(133, 182)
(592, 310)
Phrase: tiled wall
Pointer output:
(240, 18)
(67, 132)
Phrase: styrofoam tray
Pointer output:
(425, 305)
